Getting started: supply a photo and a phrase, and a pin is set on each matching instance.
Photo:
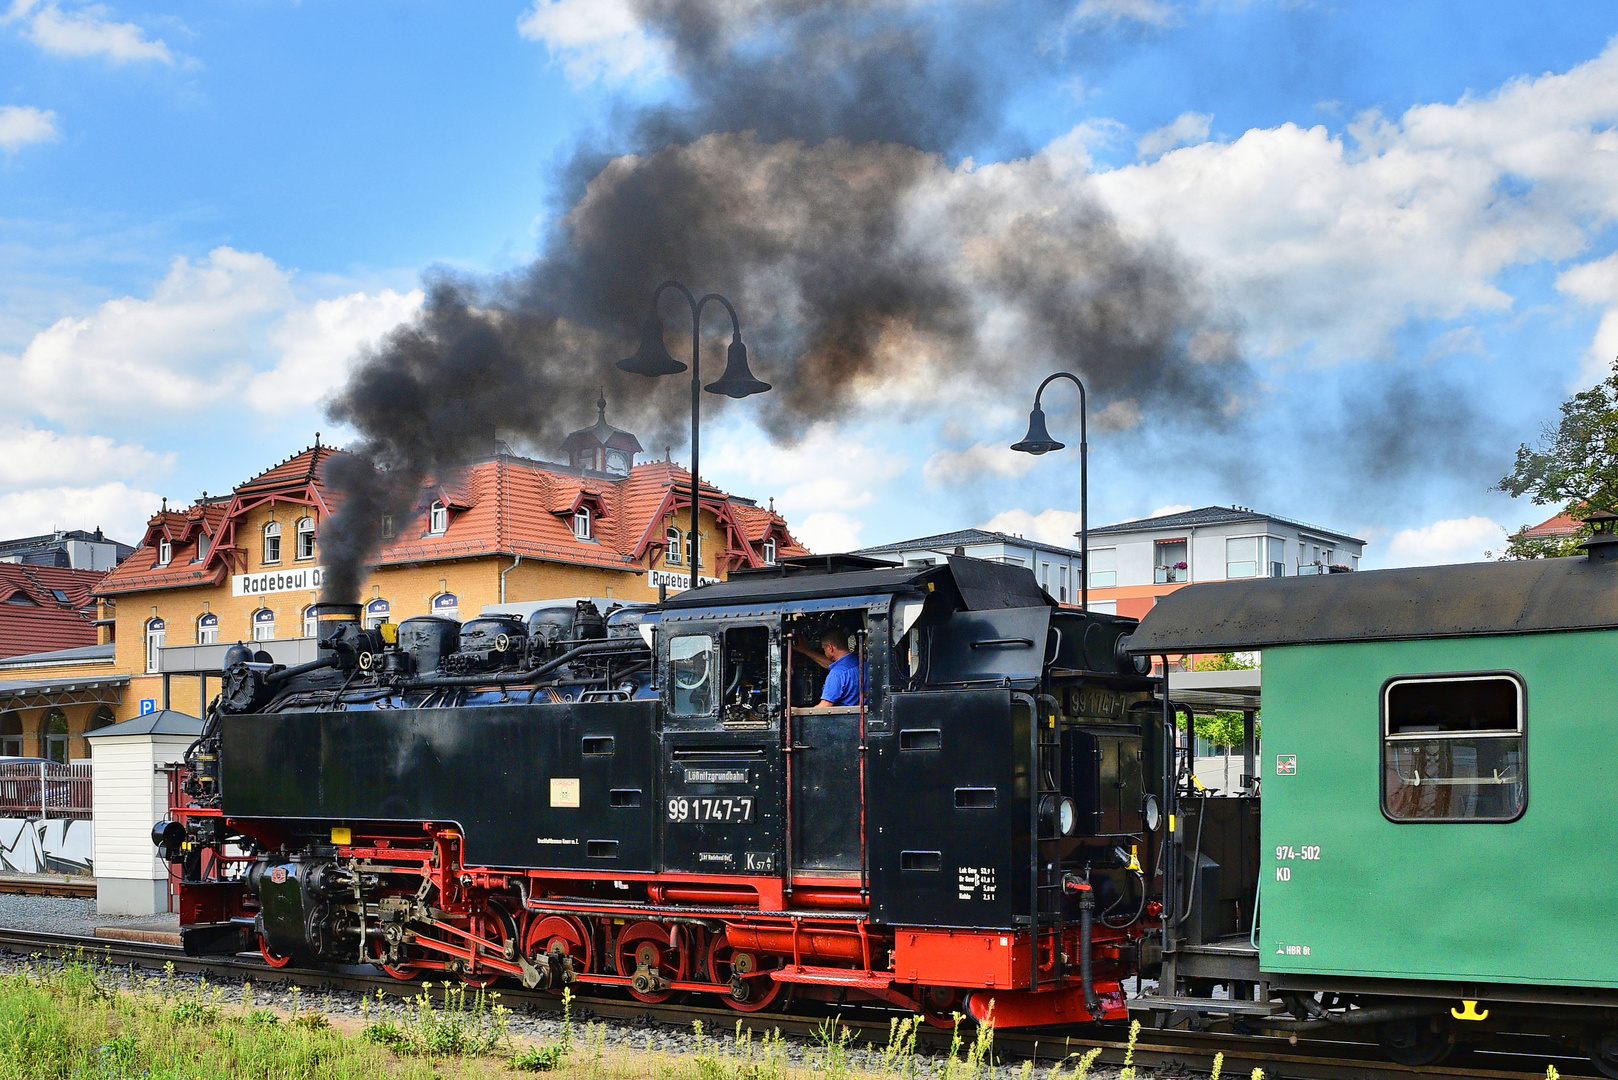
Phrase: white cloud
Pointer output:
(1055, 527)
(116, 507)
(826, 470)
(1096, 12)
(594, 39)
(1596, 283)
(24, 124)
(30, 457)
(86, 31)
(1171, 508)
(317, 342)
(954, 468)
(1331, 243)
(828, 531)
(226, 325)
(1188, 127)
(1449, 541)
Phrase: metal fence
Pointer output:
(45, 790)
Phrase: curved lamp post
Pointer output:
(1038, 441)
(652, 359)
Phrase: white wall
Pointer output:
(129, 795)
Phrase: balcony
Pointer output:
(1171, 575)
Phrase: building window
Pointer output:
(671, 555)
(165, 552)
(1103, 568)
(272, 542)
(1045, 576)
(387, 526)
(688, 559)
(202, 548)
(437, 518)
(311, 627)
(1241, 557)
(581, 523)
(208, 630)
(1061, 583)
(1105, 607)
(446, 604)
(376, 613)
(769, 552)
(100, 717)
(11, 735)
(53, 736)
(263, 625)
(1171, 563)
(1452, 749)
(154, 642)
(306, 538)
(1275, 556)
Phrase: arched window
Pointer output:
(581, 523)
(671, 555)
(264, 625)
(446, 604)
(165, 551)
(769, 552)
(376, 613)
(437, 518)
(311, 625)
(53, 736)
(154, 642)
(99, 718)
(306, 538)
(208, 630)
(11, 734)
(272, 542)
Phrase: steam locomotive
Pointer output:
(650, 799)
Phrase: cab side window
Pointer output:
(691, 674)
(1453, 749)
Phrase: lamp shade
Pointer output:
(737, 381)
(1038, 440)
(652, 358)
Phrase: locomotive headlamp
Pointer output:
(1152, 813)
(1057, 813)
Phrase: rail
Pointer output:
(45, 789)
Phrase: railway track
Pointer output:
(1190, 1051)
(32, 885)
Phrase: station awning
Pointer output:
(89, 690)
(1216, 691)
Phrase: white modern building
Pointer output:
(1057, 568)
(1133, 562)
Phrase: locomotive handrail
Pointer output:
(1004, 643)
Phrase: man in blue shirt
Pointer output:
(842, 669)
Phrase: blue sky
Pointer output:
(1406, 211)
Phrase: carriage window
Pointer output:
(1452, 749)
(752, 671)
(691, 665)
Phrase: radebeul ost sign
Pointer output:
(305, 578)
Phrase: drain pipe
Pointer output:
(516, 562)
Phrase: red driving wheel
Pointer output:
(402, 972)
(271, 957)
(939, 1004)
(724, 963)
(647, 944)
(560, 936)
(493, 924)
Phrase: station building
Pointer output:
(247, 566)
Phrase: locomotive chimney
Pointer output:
(1602, 545)
(332, 619)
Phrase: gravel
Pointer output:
(77, 916)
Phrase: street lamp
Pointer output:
(652, 359)
(1038, 441)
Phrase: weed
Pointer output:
(834, 1038)
(539, 1058)
(311, 1021)
(1219, 1064)
(191, 1011)
(1128, 1071)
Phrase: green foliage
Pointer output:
(1221, 729)
(452, 1026)
(1225, 661)
(743, 1059)
(539, 1058)
(1574, 467)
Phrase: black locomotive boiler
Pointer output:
(652, 799)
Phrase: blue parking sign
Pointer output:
(148, 705)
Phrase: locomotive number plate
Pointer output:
(711, 808)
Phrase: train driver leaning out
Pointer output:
(843, 674)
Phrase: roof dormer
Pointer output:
(602, 447)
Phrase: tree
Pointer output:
(1222, 728)
(1575, 467)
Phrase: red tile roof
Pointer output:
(506, 505)
(33, 620)
(1560, 525)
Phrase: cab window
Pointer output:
(1452, 749)
(691, 671)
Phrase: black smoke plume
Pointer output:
(809, 182)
